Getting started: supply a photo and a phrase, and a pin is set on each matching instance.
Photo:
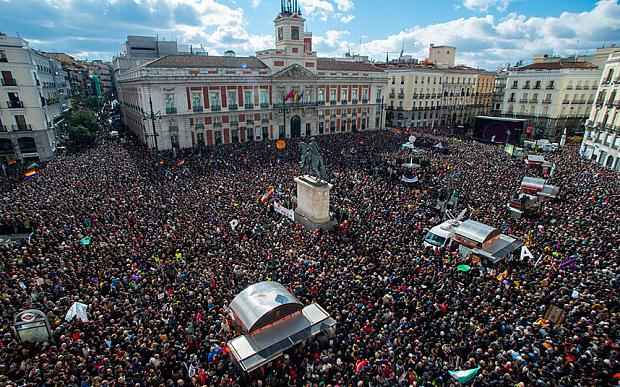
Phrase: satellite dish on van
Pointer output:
(412, 139)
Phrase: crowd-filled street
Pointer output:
(163, 262)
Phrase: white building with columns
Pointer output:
(210, 100)
(601, 141)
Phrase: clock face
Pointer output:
(295, 33)
(280, 33)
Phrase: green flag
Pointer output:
(463, 267)
(464, 376)
(85, 241)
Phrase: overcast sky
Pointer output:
(487, 33)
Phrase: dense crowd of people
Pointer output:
(163, 263)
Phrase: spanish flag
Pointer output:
(290, 95)
(30, 173)
(268, 194)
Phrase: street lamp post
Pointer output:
(381, 116)
(152, 116)
(283, 110)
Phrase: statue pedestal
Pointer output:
(312, 203)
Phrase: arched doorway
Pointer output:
(610, 161)
(6, 149)
(27, 145)
(295, 127)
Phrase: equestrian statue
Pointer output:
(311, 157)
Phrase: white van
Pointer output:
(442, 234)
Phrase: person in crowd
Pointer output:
(163, 263)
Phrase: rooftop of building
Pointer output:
(199, 61)
(559, 66)
(333, 64)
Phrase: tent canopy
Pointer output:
(263, 303)
(476, 231)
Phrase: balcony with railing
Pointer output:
(392, 95)
(197, 108)
(378, 100)
(249, 106)
(233, 106)
(354, 101)
(171, 110)
(217, 124)
(570, 87)
(216, 108)
(534, 100)
(565, 102)
(234, 123)
(21, 127)
(401, 95)
(264, 105)
(264, 120)
(522, 100)
(364, 100)
(15, 104)
(249, 121)
(550, 87)
(9, 82)
(332, 102)
(579, 87)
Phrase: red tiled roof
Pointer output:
(332, 64)
(198, 61)
(559, 66)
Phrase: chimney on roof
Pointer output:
(229, 54)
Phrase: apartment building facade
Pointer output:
(551, 96)
(30, 101)
(601, 141)
(429, 96)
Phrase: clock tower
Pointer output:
(291, 38)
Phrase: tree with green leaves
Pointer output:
(85, 118)
(93, 103)
(79, 135)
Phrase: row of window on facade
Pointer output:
(524, 98)
(551, 85)
(20, 124)
(258, 133)
(248, 97)
(438, 80)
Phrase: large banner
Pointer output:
(284, 211)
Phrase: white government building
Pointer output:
(601, 142)
(210, 100)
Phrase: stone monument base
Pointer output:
(313, 203)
